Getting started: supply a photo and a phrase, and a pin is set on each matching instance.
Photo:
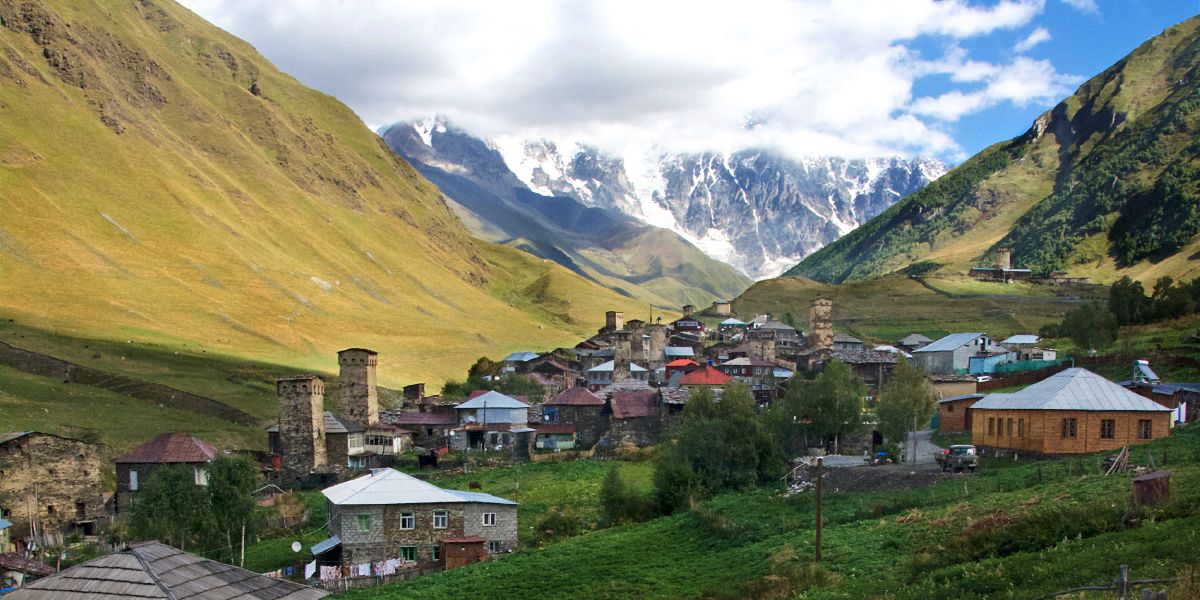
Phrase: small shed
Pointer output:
(1152, 488)
(462, 551)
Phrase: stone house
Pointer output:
(952, 354)
(842, 341)
(750, 370)
(63, 475)
(954, 413)
(605, 374)
(914, 341)
(345, 444)
(636, 418)
(1075, 411)
(388, 514)
(788, 338)
(487, 420)
(430, 429)
(583, 410)
(136, 466)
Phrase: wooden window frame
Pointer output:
(1108, 429)
(1070, 428)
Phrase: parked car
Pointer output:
(958, 458)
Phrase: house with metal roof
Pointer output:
(486, 421)
(786, 336)
(154, 570)
(602, 375)
(135, 466)
(581, 409)
(388, 515)
(914, 341)
(1074, 411)
(954, 413)
(952, 354)
(842, 341)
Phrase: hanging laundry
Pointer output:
(310, 569)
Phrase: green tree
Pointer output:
(716, 446)
(833, 402)
(1128, 302)
(520, 385)
(231, 485)
(614, 499)
(173, 509)
(791, 432)
(1171, 301)
(1091, 326)
(904, 401)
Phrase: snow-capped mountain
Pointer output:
(756, 210)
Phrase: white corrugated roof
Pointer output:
(492, 399)
(520, 357)
(950, 342)
(1072, 389)
(1022, 340)
(389, 486)
(680, 351)
(608, 366)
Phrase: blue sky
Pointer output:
(854, 78)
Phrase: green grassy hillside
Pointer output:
(1014, 530)
(1103, 185)
(164, 183)
(886, 309)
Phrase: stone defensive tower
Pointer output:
(358, 400)
(622, 355)
(301, 424)
(1003, 259)
(614, 320)
(761, 343)
(820, 321)
(658, 345)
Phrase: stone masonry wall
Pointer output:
(358, 396)
(64, 473)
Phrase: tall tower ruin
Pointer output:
(301, 423)
(613, 320)
(358, 399)
(762, 343)
(658, 345)
(1003, 259)
(820, 321)
(622, 355)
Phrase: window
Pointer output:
(1000, 427)
(362, 522)
(1068, 428)
(495, 547)
(489, 519)
(1108, 429)
(408, 552)
(408, 521)
(441, 519)
(201, 475)
(435, 553)
(991, 425)
(133, 481)
(1144, 429)
(949, 408)
(1010, 428)
(1020, 428)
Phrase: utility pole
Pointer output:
(242, 562)
(820, 517)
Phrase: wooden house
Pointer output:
(1075, 411)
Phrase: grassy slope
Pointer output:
(889, 308)
(958, 220)
(274, 228)
(908, 543)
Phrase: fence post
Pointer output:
(1123, 582)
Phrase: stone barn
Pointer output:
(53, 481)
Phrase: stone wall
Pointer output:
(65, 475)
(123, 501)
(591, 423)
(385, 537)
(302, 424)
(639, 431)
(358, 395)
(505, 529)
(820, 321)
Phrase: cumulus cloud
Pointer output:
(1087, 6)
(1035, 37)
(813, 76)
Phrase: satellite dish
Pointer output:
(295, 546)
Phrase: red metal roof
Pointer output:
(683, 362)
(554, 428)
(575, 396)
(171, 448)
(628, 405)
(706, 375)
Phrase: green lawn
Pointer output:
(1013, 530)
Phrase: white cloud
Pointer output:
(1035, 37)
(1087, 6)
(816, 76)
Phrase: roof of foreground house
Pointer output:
(1072, 389)
(154, 570)
(171, 448)
(389, 486)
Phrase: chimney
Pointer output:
(358, 398)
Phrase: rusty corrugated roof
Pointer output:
(171, 448)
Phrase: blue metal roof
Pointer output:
(677, 351)
(4, 523)
(493, 400)
(326, 545)
(950, 342)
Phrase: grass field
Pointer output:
(887, 309)
(1013, 530)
